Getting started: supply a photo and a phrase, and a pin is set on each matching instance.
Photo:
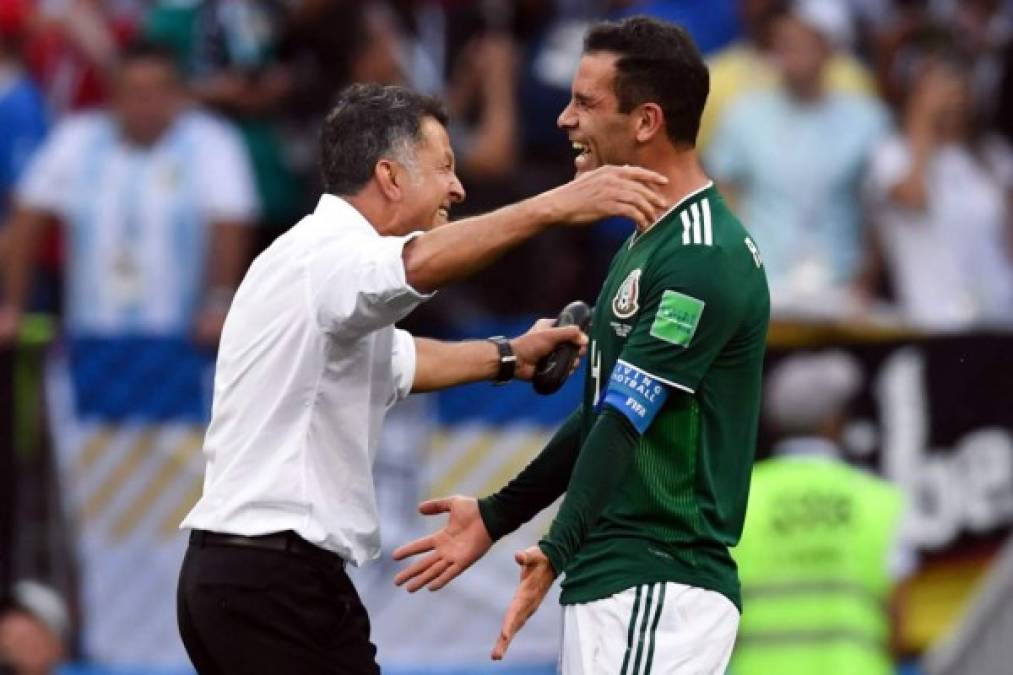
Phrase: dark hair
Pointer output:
(146, 50)
(659, 63)
(368, 122)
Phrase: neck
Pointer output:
(684, 173)
(372, 209)
(806, 92)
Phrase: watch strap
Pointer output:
(507, 360)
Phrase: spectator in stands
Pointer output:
(938, 195)
(71, 50)
(820, 551)
(156, 197)
(228, 51)
(33, 630)
(793, 157)
(486, 80)
(22, 116)
(749, 65)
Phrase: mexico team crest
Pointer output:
(624, 305)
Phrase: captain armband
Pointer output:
(636, 394)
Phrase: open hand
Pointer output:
(628, 191)
(461, 542)
(537, 576)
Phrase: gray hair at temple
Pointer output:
(370, 122)
(806, 392)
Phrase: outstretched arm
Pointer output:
(439, 365)
(474, 525)
(601, 466)
(538, 485)
(458, 249)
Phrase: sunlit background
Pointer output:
(865, 144)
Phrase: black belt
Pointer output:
(286, 542)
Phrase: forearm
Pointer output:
(538, 485)
(439, 365)
(911, 192)
(24, 235)
(606, 457)
(456, 250)
(230, 253)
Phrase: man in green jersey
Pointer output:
(656, 461)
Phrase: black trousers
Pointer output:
(245, 610)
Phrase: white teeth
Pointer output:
(579, 147)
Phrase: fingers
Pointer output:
(554, 336)
(641, 174)
(416, 568)
(569, 334)
(516, 616)
(500, 648)
(433, 571)
(506, 633)
(420, 545)
(448, 575)
(431, 507)
(656, 199)
(641, 204)
(542, 324)
(627, 211)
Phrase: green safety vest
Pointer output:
(813, 561)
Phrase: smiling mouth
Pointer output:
(443, 213)
(580, 148)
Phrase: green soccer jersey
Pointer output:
(681, 326)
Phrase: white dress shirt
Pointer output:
(308, 366)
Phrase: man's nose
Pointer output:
(457, 193)
(566, 119)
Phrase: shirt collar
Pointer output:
(337, 212)
(637, 235)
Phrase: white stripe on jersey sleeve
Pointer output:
(708, 235)
(695, 208)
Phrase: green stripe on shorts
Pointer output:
(629, 635)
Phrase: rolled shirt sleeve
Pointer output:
(403, 359)
(358, 285)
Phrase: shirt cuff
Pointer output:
(403, 361)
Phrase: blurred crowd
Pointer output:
(151, 147)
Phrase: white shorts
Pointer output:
(660, 628)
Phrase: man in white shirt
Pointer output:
(310, 362)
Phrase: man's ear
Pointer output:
(389, 177)
(649, 121)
